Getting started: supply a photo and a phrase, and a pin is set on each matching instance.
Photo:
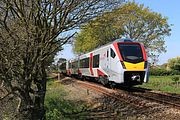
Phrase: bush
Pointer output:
(163, 72)
(175, 72)
(175, 79)
(159, 72)
(174, 63)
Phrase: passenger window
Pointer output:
(96, 61)
(113, 55)
(84, 63)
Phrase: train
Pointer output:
(123, 61)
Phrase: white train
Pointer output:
(122, 61)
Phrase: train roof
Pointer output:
(117, 40)
(124, 40)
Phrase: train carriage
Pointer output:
(122, 61)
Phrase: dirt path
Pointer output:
(103, 107)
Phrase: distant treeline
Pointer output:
(163, 72)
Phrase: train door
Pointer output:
(112, 65)
(112, 59)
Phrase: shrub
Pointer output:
(174, 63)
(175, 79)
(175, 72)
(163, 72)
(159, 72)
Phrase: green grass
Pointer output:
(59, 108)
(162, 83)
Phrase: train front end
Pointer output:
(132, 56)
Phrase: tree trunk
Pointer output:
(39, 108)
(25, 106)
(31, 107)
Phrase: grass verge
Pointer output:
(58, 108)
(163, 83)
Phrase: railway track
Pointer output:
(131, 95)
(119, 94)
(111, 93)
(162, 98)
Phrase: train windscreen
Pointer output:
(131, 52)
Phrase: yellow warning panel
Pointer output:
(134, 66)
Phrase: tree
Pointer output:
(61, 60)
(131, 21)
(174, 63)
(55, 65)
(28, 42)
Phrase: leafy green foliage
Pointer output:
(131, 21)
(159, 72)
(162, 72)
(174, 63)
(175, 72)
(175, 79)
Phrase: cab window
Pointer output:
(113, 55)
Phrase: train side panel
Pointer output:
(98, 63)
